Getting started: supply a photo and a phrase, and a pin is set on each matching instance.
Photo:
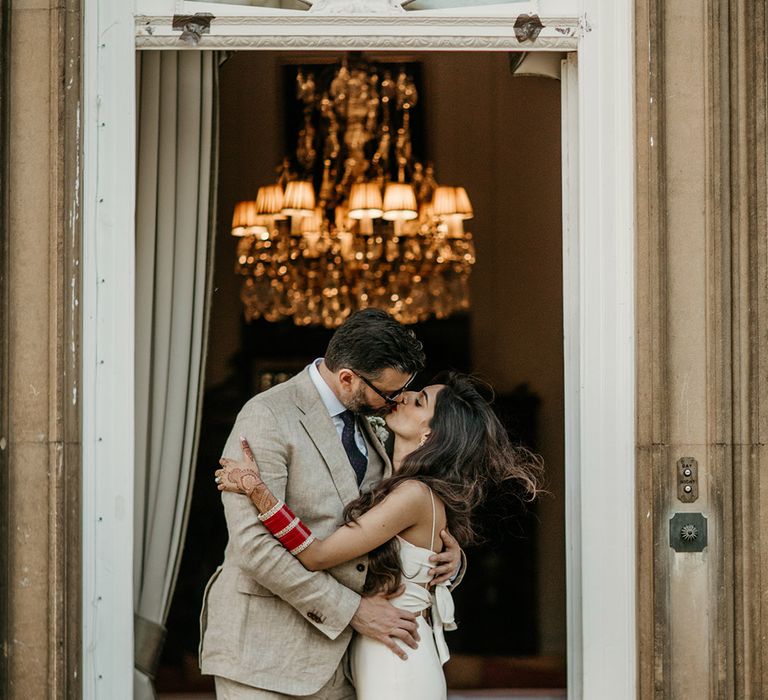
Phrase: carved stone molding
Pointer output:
(66, 546)
(744, 195)
(406, 32)
(719, 243)
(351, 23)
(352, 43)
(652, 409)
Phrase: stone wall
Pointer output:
(40, 436)
(701, 362)
(499, 136)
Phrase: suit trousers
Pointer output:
(337, 688)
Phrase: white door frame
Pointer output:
(598, 249)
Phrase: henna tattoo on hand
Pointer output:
(263, 498)
(246, 480)
(240, 480)
(244, 477)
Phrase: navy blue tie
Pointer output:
(357, 459)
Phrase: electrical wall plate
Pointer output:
(687, 479)
(688, 532)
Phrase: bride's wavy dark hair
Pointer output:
(467, 453)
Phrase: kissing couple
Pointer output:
(337, 577)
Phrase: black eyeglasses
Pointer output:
(391, 396)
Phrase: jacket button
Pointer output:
(361, 567)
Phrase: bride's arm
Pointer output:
(397, 512)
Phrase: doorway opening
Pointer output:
(500, 137)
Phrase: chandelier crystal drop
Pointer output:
(354, 220)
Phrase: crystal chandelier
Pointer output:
(354, 220)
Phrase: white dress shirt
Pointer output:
(334, 406)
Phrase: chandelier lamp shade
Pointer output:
(400, 202)
(463, 205)
(365, 201)
(269, 203)
(452, 201)
(299, 199)
(354, 219)
(245, 221)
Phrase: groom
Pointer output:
(269, 627)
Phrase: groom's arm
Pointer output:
(321, 599)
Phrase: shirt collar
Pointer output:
(329, 399)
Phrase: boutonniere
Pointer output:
(379, 428)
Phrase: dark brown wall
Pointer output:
(500, 137)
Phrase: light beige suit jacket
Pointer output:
(266, 621)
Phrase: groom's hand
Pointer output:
(379, 619)
(446, 565)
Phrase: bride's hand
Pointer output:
(239, 476)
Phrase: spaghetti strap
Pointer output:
(432, 540)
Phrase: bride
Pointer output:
(450, 449)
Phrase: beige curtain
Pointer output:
(174, 247)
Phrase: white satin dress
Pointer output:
(379, 674)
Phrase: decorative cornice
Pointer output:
(345, 42)
(365, 32)
(410, 20)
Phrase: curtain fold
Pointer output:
(175, 214)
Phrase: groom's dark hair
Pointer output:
(370, 341)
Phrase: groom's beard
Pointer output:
(359, 404)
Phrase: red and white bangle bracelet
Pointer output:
(293, 534)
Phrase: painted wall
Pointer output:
(500, 137)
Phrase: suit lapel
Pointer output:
(323, 434)
(374, 442)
